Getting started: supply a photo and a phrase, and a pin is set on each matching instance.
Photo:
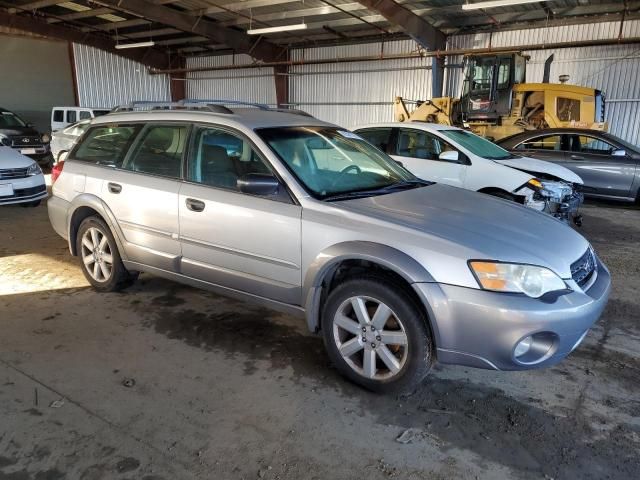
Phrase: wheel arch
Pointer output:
(86, 205)
(323, 269)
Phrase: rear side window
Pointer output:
(378, 137)
(550, 142)
(71, 116)
(85, 115)
(106, 144)
(58, 115)
(159, 151)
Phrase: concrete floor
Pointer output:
(167, 382)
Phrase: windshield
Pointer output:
(331, 161)
(477, 145)
(10, 120)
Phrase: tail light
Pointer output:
(56, 171)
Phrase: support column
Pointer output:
(437, 77)
(178, 87)
(282, 85)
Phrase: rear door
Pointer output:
(602, 173)
(229, 238)
(419, 152)
(141, 187)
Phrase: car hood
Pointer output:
(465, 223)
(10, 158)
(533, 165)
(19, 131)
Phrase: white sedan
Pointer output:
(457, 157)
(21, 179)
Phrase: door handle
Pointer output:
(194, 205)
(114, 187)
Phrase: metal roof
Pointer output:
(328, 21)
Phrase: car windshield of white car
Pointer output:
(335, 164)
(10, 120)
(477, 145)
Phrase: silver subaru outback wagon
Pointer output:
(308, 218)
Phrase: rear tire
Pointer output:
(377, 336)
(99, 257)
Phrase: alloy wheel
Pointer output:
(96, 255)
(370, 337)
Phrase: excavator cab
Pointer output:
(488, 85)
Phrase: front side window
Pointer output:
(219, 158)
(595, 146)
(504, 71)
(106, 144)
(477, 145)
(159, 151)
(71, 116)
(420, 144)
(330, 161)
(58, 115)
(549, 142)
(10, 120)
(85, 115)
(378, 137)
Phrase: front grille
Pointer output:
(26, 142)
(6, 173)
(583, 269)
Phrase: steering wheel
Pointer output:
(345, 170)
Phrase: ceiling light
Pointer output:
(283, 28)
(498, 3)
(122, 46)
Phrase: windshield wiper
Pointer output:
(404, 184)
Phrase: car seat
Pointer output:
(218, 170)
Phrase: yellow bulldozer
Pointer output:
(496, 102)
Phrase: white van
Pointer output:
(63, 116)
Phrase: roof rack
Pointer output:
(213, 106)
(139, 105)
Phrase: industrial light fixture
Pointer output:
(121, 46)
(498, 3)
(282, 28)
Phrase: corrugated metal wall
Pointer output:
(362, 92)
(107, 80)
(349, 94)
(613, 69)
(250, 85)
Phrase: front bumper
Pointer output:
(478, 328)
(27, 189)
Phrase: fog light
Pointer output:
(523, 346)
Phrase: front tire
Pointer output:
(99, 257)
(377, 336)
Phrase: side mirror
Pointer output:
(262, 184)
(619, 153)
(450, 156)
(62, 155)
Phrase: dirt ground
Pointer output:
(168, 382)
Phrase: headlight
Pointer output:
(515, 278)
(6, 141)
(46, 138)
(534, 184)
(34, 169)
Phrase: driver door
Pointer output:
(419, 152)
(602, 173)
(245, 242)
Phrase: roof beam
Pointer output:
(238, 41)
(150, 57)
(415, 26)
(35, 5)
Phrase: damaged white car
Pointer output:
(457, 157)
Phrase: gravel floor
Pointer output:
(167, 382)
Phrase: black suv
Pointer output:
(23, 137)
